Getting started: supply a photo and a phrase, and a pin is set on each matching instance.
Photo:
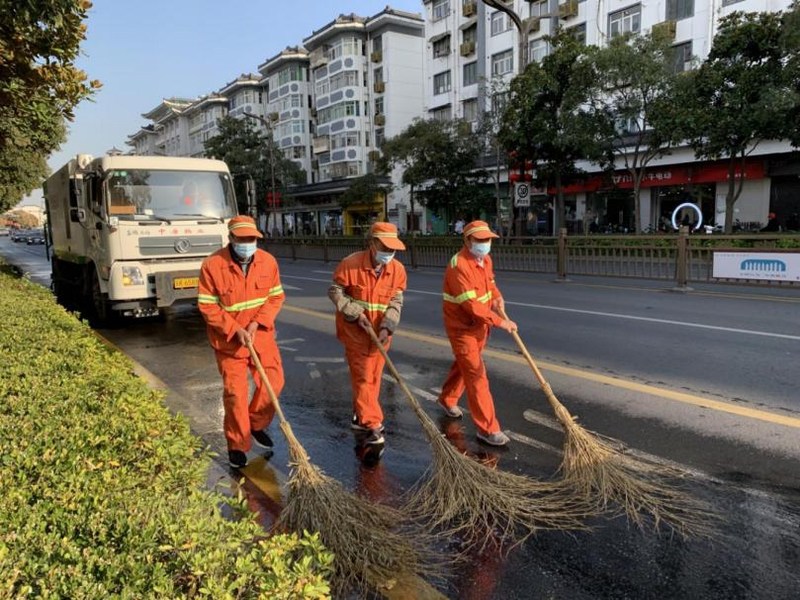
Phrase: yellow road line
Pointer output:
(726, 407)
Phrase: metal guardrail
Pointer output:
(683, 258)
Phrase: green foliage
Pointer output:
(547, 119)
(39, 87)
(248, 152)
(790, 45)
(439, 159)
(104, 491)
(364, 190)
(739, 95)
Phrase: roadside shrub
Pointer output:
(103, 491)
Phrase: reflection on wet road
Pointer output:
(754, 553)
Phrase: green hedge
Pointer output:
(103, 491)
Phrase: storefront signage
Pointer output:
(772, 266)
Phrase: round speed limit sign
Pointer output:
(522, 194)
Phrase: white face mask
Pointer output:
(244, 251)
(384, 258)
(480, 249)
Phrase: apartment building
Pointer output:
(469, 44)
(202, 118)
(167, 134)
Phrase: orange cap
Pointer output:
(387, 234)
(243, 226)
(480, 230)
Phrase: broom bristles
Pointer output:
(464, 498)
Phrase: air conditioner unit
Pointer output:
(468, 8)
(533, 24)
(467, 48)
(666, 29)
(380, 120)
(376, 56)
(379, 87)
(374, 155)
(568, 10)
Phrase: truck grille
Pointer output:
(179, 245)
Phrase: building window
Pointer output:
(579, 33)
(379, 105)
(377, 43)
(441, 83)
(293, 73)
(441, 48)
(469, 110)
(471, 73)
(538, 8)
(682, 57)
(679, 9)
(377, 74)
(502, 63)
(470, 34)
(441, 8)
(537, 50)
(441, 114)
(729, 2)
(499, 23)
(625, 21)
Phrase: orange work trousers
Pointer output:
(469, 372)
(243, 416)
(366, 370)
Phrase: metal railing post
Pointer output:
(325, 256)
(294, 248)
(411, 242)
(561, 257)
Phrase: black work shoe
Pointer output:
(374, 438)
(262, 438)
(237, 459)
(354, 424)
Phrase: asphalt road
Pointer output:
(702, 381)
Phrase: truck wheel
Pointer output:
(63, 290)
(100, 312)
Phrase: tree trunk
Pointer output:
(637, 191)
(558, 213)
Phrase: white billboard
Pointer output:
(757, 265)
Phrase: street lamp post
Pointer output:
(268, 124)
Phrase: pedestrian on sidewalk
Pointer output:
(472, 305)
(367, 291)
(239, 297)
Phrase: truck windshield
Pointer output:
(138, 194)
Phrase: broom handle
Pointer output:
(393, 369)
(561, 411)
(265, 380)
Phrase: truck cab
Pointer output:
(127, 234)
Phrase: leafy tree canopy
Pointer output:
(364, 190)
(439, 158)
(39, 87)
(247, 152)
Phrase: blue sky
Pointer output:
(146, 50)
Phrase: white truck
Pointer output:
(127, 234)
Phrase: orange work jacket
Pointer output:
(229, 300)
(469, 289)
(356, 275)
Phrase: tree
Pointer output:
(39, 87)
(547, 119)
(491, 122)
(790, 47)
(738, 96)
(439, 159)
(247, 154)
(364, 189)
(636, 98)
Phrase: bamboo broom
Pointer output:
(463, 497)
(598, 470)
(369, 551)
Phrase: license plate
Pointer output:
(184, 283)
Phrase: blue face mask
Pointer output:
(244, 251)
(480, 249)
(384, 257)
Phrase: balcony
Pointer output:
(469, 8)
(374, 155)
(376, 56)
(318, 58)
(380, 120)
(321, 144)
(379, 87)
(532, 24)
(467, 48)
(666, 29)
(568, 10)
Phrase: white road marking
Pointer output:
(291, 341)
(312, 360)
(538, 418)
(290, 287)
(528, 441)
(323, 272)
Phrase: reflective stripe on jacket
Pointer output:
(229, 301)
(469, 290)
(356, 289)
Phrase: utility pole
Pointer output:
(268, 124)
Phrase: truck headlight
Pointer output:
(132, 276)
